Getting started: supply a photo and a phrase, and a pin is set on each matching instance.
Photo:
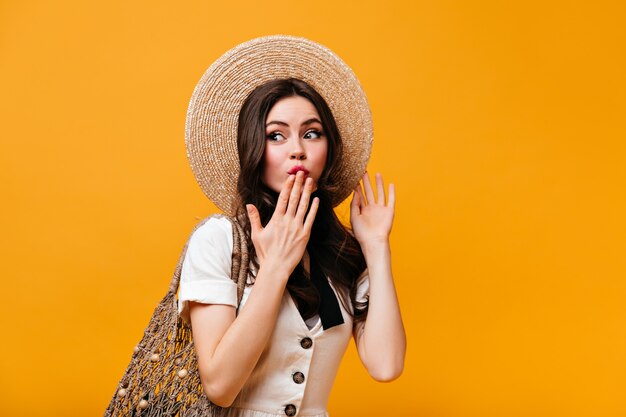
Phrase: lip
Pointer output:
(297, 168)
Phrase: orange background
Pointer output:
(501, 123)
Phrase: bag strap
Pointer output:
(240, 259)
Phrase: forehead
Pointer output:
(294, 107)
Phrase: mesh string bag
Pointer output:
(162, 378)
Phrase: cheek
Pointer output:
(271, 160)
(322, 154)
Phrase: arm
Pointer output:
(380, 338)
(229, 346)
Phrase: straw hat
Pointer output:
(212, 116)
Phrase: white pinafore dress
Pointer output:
(296, 371)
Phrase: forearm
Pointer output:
(237, 353)
(382, 344)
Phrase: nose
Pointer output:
(297, 152)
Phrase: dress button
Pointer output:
(290, 410)
(306, 342)
(298, 377)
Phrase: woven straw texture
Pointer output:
(211, 124)
(162, 378)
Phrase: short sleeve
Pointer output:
(362, 293)
(205, 275)
(363, 287)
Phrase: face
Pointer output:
(294, 140)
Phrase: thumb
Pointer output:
(255, 218)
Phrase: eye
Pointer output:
(313, 134)
(274, 136)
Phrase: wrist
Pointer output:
(375, 247)
(376, 243)
(277, 271)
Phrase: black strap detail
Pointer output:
(329, 311)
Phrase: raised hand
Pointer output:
(280, 245)
(370, 216)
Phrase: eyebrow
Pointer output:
(306, 122)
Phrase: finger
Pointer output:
(283, 197)
(361, 197)
(380, 189)
(255, 218)
(392, 196)
(355, 204)
(369, 192)
(296, 191)
(310, 218)
(304, 199)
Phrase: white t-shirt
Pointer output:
(296, 370)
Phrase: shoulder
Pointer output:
(209, 248)
(215, 231)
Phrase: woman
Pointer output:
(312, 282)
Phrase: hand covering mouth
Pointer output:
(297, 168)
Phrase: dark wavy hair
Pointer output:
(332, 246)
